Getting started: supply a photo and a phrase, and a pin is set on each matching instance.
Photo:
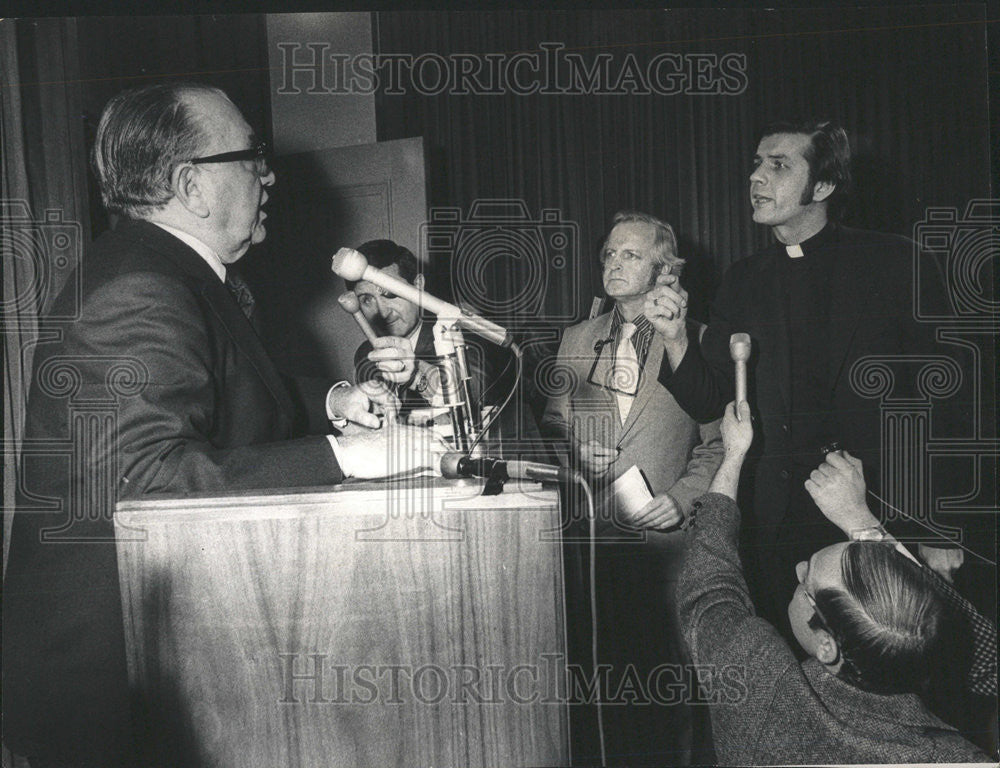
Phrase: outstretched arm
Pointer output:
(838, 488)
(737, 434)
(695, 370)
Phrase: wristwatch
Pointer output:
(420, 382)
(872, 533)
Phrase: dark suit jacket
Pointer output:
(871, 313)
(161, 386)
(767, 708)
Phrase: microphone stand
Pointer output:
(449, 346)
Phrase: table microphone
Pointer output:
(350, 304)
(455, 464)
(739, 351)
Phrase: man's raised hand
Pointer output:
(393, 356)
(838, 488)
(666, 308)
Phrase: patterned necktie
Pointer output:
(241, 292)
(626, 375)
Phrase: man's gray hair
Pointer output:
(665, 242)
(143, 135)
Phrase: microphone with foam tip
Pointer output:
(455, 465)
(351, 265)
(349, 303)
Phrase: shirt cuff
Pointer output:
(338, 420)
(340, 455)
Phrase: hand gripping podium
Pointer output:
(413, 623)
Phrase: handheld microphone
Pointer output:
(350, 304)
(455, 465)
(351, 265)
(739, 351)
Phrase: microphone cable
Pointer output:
(592, 575)
(516, 351)
(591, 546)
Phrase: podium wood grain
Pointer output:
(403, 625)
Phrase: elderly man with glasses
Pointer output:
(164, 345)
(873, 623)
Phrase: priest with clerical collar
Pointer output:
(817, 300)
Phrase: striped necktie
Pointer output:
(626, 375)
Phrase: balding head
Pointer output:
(144, 133)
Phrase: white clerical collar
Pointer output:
(794, 251)
(210, 256)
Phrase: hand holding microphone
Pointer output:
(394, 358)
(595, 457)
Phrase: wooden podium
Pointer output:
(414, 623)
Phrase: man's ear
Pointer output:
(418, 282)
(822, 190)
(189, 191)
(827, 650)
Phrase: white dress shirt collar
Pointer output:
(210, 256)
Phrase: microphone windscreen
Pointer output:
(349, 264)
(349, 301)
(739, 346)
(449, 464)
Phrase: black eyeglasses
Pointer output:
(257, 153)
(607, 374)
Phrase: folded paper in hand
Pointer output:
(632, 491)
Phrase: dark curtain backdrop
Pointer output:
(43, 209)
(908, 84)
(229, 52)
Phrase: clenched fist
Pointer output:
(666, 307)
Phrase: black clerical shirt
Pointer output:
(805, 289)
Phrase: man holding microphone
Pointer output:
(872, 624)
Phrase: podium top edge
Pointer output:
(466, 492)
